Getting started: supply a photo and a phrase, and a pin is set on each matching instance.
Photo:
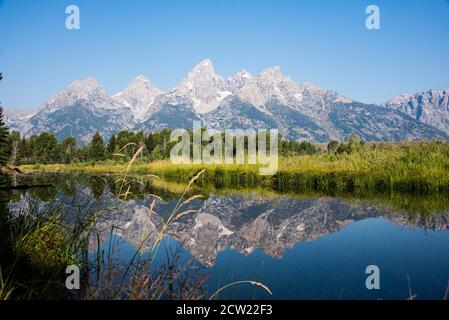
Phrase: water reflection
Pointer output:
(241, 222)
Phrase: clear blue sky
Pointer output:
(324, 42)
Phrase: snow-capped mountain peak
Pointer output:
(138, 96)
(203, 87)
(273, 74)
(239, 80)
(88, 90)
(205, 65)
(301, 111)
(259, 91)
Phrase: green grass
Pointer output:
(416, 168)
(36, 247)
(38, 242)
(411, 206)
(421, 168)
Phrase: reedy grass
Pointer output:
(414, 168)
(413, 206)
(386, 169)
(421, 168)
(43, 242)
(37, 246)
(251, 282)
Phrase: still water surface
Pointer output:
(300, 247)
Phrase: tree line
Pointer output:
(45, 148)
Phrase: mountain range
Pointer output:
(301, 111)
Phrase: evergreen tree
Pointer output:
(111, 145)
(332, 146)
(4, 147)
(24, 152)
(45, 148)
(67, 150)
(97, 149)
(156, 154)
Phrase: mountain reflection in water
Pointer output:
(242, 222)
(234, 234)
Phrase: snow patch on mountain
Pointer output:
(138, 96)
(202, 87)
(301, 111)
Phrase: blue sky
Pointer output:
(320, 41)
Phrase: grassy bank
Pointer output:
(417, 168)
(411, 206)
(39, 240)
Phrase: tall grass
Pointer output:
(39, 238)
(413, 168)
(419, 168)
(36, 247)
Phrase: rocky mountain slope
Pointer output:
(301, 111)
(430, 107)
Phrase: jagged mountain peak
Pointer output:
(88, 91)
(85, 88)
(268, 100)
(140, 82)
(429, 92)
(203, 87)
(138, 96)
(430, 107)
(141, 78)
(89, 81)
(243, 74)
(273, 73)
(239, 80)
(203, 69)
(205, 64)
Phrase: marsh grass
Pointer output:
(251, 282)
(413, 207)
(420, 168)
(36, 247)
(136, 279)
(415, 168)
(37, 244)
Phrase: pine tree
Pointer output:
(45, 148)
(111, 145)
(4, 147)
(332, 146)
(24, 151)
(97, 150)
(67, 149)
(156, 154)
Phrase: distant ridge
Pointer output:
(301, 111)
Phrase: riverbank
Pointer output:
(417, 168)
